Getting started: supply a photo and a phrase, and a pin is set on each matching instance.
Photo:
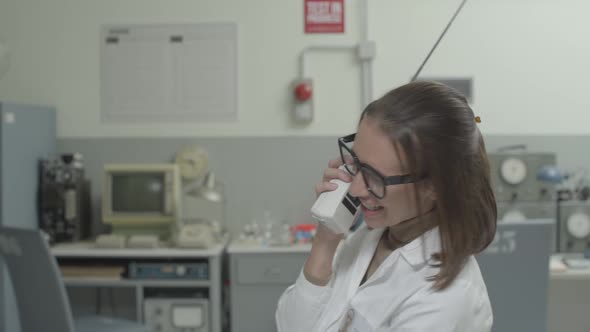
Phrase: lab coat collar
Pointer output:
(420, 250)
(366, 252)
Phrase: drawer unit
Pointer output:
(268, 268)
(257, 280)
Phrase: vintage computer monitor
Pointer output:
(142, 199)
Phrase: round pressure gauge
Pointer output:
(193, 162)
(513, 170)
(578, 225)
(513, 216)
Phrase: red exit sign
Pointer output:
(324, 16)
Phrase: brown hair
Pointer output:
(438, 133)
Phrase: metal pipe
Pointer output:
(364, 20)
(366, 84)
(366, 65)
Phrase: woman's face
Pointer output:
(374, 148)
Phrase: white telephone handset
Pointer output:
(336, 209)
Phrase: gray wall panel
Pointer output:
(274, 173)
(277, 174)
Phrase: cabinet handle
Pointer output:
(273, 271)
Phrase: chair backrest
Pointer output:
(40, 294)
(515, 268)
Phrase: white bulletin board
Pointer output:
(169, 73)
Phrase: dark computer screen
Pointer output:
(138, 192)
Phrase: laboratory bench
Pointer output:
(156, 282)
(258, 275)
(569, 296)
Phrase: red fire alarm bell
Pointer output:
(303, 91)
(302, 97)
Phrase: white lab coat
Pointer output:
(397, 297)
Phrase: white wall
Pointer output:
(527, 58)
(56, 61)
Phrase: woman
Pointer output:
(419, 167)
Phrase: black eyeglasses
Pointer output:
(374, 181)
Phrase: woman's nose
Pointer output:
(358, 187)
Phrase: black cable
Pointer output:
(438, 41)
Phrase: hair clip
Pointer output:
(477, 119)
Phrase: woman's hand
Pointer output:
(331, 173)
(318, 267)
(323, 233)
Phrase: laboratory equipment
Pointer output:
(203, 200)
(515, 212)
(64, 198)
(515, 176)
(196, 235)
(177, 314)
(142, 199)
(143, 241)
(203, 195)
(169, 270)
(193, 162)
(520, 211)
(572, 207)
(111, 241)
(574, 225)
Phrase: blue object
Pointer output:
(550, 174)
(303, 237)
(27, 133)
(191, 271)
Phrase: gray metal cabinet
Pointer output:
(258, 277)
(27, 134)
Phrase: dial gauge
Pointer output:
(578, 225)
(513, 171)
